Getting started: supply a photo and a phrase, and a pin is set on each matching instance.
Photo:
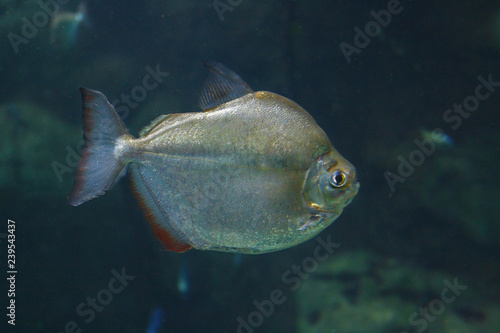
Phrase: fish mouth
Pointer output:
(344, 200)
(320, 214)
(355, 188)
(353, 191)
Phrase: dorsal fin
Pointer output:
(221, 85)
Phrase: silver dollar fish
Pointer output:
(253, 173)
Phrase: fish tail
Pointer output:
(99, 166)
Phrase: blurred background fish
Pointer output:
(440, 139)
(65, 27)
(14, 114)
(183, 286)
(156, 320)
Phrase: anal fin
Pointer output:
(155, 217)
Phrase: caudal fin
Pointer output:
(98, 167)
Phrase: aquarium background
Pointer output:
(416, 251)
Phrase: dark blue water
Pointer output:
(417, 249)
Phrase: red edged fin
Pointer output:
(98, 168)
(168, 241)
(168, 238)
(79, 177)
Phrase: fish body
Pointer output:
(253, 173)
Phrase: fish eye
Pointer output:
(338, 179)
